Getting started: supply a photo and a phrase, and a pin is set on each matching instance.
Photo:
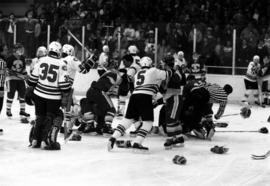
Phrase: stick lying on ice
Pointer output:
(261, 157)
(262, 130)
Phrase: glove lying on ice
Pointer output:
(219, 150)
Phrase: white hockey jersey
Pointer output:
(50, 78)
(33, 63)
(73, 66)
(148, 80)
(252, 71)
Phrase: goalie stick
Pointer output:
(260, 157)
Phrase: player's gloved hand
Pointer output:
(216, 117)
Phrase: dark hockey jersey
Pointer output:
(106, 81)
(16, 68)
(3, 71)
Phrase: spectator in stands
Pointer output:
(250, 34)
(29, 29)
(9, 29)
(261, 51)
(244, 54)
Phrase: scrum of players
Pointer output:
(186, 103)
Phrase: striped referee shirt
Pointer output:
(3, 71)
(217, 95)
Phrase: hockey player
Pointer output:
(98, 107)
(140, 105)
(41, 52)
(3, 73)
(73, 66)
(16, 77)
(103, 61)
(51, 83)
(250, 80)
(131, 71)
(180, 60)
(172, 107)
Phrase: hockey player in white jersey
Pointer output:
(140, 106)
(50, 83)
(103, 61)
(41, 52)
(73, 66)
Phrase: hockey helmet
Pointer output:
(132, 49)
(41, 51)
(68, 50)
(146, 62)
(180, 54)
(55, 48)
(105, 48)
(256, 58)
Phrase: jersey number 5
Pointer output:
(140, 77)
(48, 72)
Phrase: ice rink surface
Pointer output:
(87, 162)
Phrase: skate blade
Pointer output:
(179, 145)
(109, 147)
(168, 148)
(106, 135)
(139, 151)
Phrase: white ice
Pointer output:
(88, 163)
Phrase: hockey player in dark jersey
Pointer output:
(173, 105)
(16, 77)
(51, 84)
(97, 109)
(140, 106)
(197, 110)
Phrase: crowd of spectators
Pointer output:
(214, 22)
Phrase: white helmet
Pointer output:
(105, 48)
(146, 62)
(132, 49)
(180, 53)
(256, 58)
(55, 47)
(41, 51)
(68, 49)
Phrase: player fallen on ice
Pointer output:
(140, 106)
(197, 109)
(50, 83)
(16, 77)
(97, 108)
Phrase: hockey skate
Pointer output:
(174, 142)
(123, 143)
(137, 148)
(35, 144)
(111, 143)
(51, 146)
(75, 137)
(90, 128)
(107, 131)
(24, 117)
(1, 131)
(9, 114)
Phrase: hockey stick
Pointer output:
(226, 115)
(260, 157)
(67, 109)
(262, 130)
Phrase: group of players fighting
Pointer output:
(186, 102)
